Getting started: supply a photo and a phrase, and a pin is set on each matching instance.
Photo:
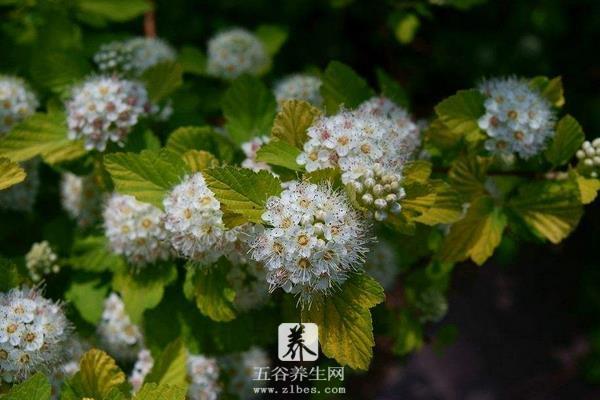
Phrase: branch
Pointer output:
(150, 22)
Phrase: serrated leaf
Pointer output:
(115, 10)
(440, 136)
(392, 89)
(588, 188)
(143, 290)
(88, 298)
(249, 108)
(460, 113)
(147, 176)
(214, 296)
(36, 387)
(272, 37)
(242, 191)
(91, 254)
(59, 71)
(446, 208)
(280, 153)
(192, 60)
(416, 171)
(292, 122)
(98, 376)
(11, 173)
(344, 320)
(199, 160)
(41, 134)
(467, 176)
(477, 234)
(343, 87)
(567, 140)
(205, 138)
(171, 367)
(162, 79)
(552, 209)
(151, 391)
(551, 89)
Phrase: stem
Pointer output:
(150, 22)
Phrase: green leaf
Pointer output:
(151, 391)
(552, 209)
(214, 296)
(461, 112)
(59, 71)
(588, 188)
(416, 171)
(242, 191)
(162, 79)
(392, 89)
(249, 108)
(171, 367)
(88, 298)
(41, 134)
(115, 10)
(439, 135)
(272, 37)
(204, 138)
(331, 176)
(98, 376)
(446, 208)
(36, 387)
(467, 176)
(292, 122)
(408, 334)
(567, 140)
(551, 89)
(192, 60)
(12, 275)
(343, 87)
(11, 173)
(407, 28)
(278, 152)
(199, 160)
(344, 320)
(91, 254)
(143, 290)
(477, 234)
(147, 176)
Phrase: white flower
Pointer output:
(41, 260)
(241, 368)
(235, 52)
(134, 55)
(81, 198)
(589, 157)
(105, 109)
(517, 119)
(203, 374)
(250, 149)
(382, 264)
(33, 334)
(21, 197)
(17, 102)
(299, 87)
(312, 241)
(135, 230)
(193, 220)
(143, 365)
(118, 335)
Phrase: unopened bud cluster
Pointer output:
(41, 261)
(589, 157)
(133, 56)
(379, 192)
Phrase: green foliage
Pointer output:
(392, 89)
(147, 176)
(292, 122)
(171, 367)
(162, 80)
(249, 108)
(114, 10)
(280, 153)
(205, 138)
(36, 387)
(551, 89)
(151, 391)
(343, 87)
(87, 295)
(10, 173)
(98, 378)
(569, 137)
(12, 275)
(213, 294)
(272, 37)
(459, 113)
(344, 320)
(91, 254)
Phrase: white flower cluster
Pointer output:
(21, 197)
(299, 87)
(118, 336)
(41, 260)
(370, 146)
(314, 239)
(203, 374)
(33, 333)
(142, 367)
(81, 198)
(517, 119)
(133, 56)
(135, 230)
(105, 109)
(194, 220)
(235, 52)
(17, 102)
(589, 155)
(382, 264)
(240, 367)
(250, 149)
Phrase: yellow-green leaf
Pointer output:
(152, 391)
(588, 188)
(344, 320)
(199, 160)
(461, 112)
(214, 296)
(186, 138)
(292, 122)
(476, 235)
(280, 153)
(416, 171)
(467, 176)
(171, 367)
(551, 89)
(567, 140)
(98, 375)
(11, 173)
(162, 79)
(446, 208)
